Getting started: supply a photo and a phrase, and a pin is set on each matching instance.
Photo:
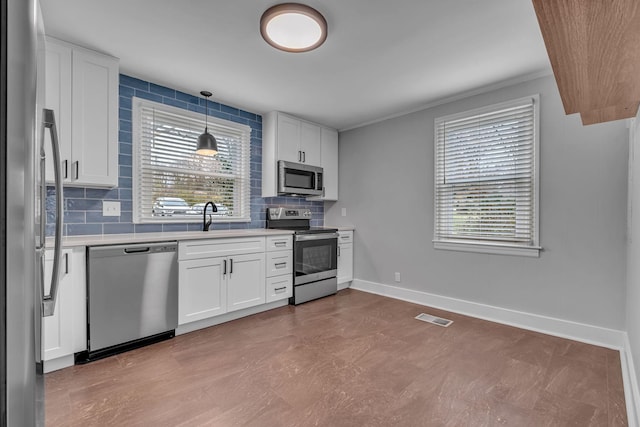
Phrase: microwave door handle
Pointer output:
(49, 301)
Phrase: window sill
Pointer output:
(488, 248)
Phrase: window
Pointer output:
(171, 183)
(486, 179)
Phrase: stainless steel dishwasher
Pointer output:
(132, 297)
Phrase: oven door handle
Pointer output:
(319, 236)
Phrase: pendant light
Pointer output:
(207, 144)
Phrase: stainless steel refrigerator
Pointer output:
(24, 125)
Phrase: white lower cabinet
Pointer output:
(202, 289)
(279, 268)
(64, 333)
(218, 276)
(245, 281)
(279, 287)
(345, 256)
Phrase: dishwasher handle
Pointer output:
(137, 250)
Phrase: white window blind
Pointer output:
(171, 182)
(486, 175)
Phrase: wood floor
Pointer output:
(355, 359)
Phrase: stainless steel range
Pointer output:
(315, 253)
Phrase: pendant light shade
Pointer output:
(207, 144)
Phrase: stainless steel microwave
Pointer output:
(299, 179)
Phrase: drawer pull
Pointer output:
(344, 237)
(281, 265)
(278, 290)
(280, 244)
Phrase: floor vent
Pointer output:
(433, 319)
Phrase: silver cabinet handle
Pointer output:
(299, 155)
(338, 250)
(231, 266)
(280, 244)
(66, 263)
(281, 265)
(304, 157)
(224, 271)
(66, 168)
(49, 122)
(77, 165)
(277, 290)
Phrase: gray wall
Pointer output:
(633, 252)
(386, 185)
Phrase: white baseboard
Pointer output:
(589, 334)
(630, 379)
(59, 363)
(343, 285)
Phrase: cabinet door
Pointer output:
(279, 287)
(288, 139)
(57, 58)
(345, 262)
(329, 163)
(95, 119)
(310, 143)
(57, 330)
(246, 281)
(202, 289)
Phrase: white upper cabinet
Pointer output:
(294, 140)
(288, 138)
(310, 144)
(329, 163)
(82, 89)
(58, 98)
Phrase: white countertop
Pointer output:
(116, 239)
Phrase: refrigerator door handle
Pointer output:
(49, 301)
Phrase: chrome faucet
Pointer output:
(206, 223)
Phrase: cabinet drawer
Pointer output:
(280, 287)
(195, 249)
(279, 243)
(279, 263)
(345, 236)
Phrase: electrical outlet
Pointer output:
(397, 277)
(344, 211)
(110, 208)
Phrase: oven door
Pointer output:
(316, 257)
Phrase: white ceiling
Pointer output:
(381, 57)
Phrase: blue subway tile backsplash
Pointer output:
(83, 206)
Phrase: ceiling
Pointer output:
(381, 57)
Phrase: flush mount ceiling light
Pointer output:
(293, 27)
(207, 144)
